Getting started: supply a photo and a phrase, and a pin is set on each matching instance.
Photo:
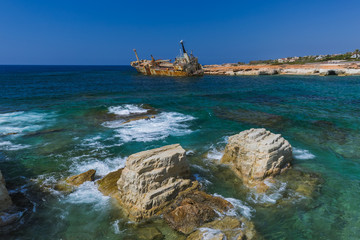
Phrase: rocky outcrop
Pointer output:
(193, 210)
(5, 200)
(69, 184)
(226, 228)
(108, 184)
(79, 179)
(256, 154)
(151, 179)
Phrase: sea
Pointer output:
(57, 121)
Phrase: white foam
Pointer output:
(19, 123)
(102, 167)
(214, 153)
(115, 226)
(273, 194)
(239, 209)
(127, 109)
(145, 130)
(209, 233)
(302, 154)
(87, 193)
(7, 145)
(202, 180)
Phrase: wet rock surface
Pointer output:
(256, 154)
(193, 209)
(79, 179)
(108, 184)
(151, 179)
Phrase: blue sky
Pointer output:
(105, 32)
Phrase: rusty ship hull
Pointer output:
(149, 70)
(183, 66)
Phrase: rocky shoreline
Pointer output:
(316, 69)
(159, 183)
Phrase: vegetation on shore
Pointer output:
(349, 56)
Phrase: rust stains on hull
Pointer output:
(183, 66)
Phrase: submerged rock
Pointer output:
(152, 179)
(193, 209)
(252, 117)
(256, 154)
(226, 228)
(5, 200)
(108, 184)
(149, 233)
(139, 118)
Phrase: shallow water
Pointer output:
(65, 120)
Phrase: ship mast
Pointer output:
(186, 56)
(136, 56)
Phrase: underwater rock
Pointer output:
(151, 179)
(139, 118)
(193, 209)
(5, 200)
(252, 117)
(256, 154)
(226, 228)
(79, 179)
(149, 233)
(43, 132)
(108, 184)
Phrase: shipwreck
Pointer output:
(184, 65)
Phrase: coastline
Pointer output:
(313, 69)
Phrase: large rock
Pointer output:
(256, 154)
(193, 209)
(151, 179)
(5, 200)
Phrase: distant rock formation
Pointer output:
(151, 179)
(256, 154)
(5, 200)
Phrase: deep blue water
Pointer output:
(63, 117)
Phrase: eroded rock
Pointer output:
(256, 154)
(151, 179)
(193, 210)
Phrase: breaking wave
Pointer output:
(240, 208)
(15, 124)
(145, 130)
(127, 110)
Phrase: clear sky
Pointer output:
(104, 32)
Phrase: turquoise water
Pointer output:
(66, 120)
